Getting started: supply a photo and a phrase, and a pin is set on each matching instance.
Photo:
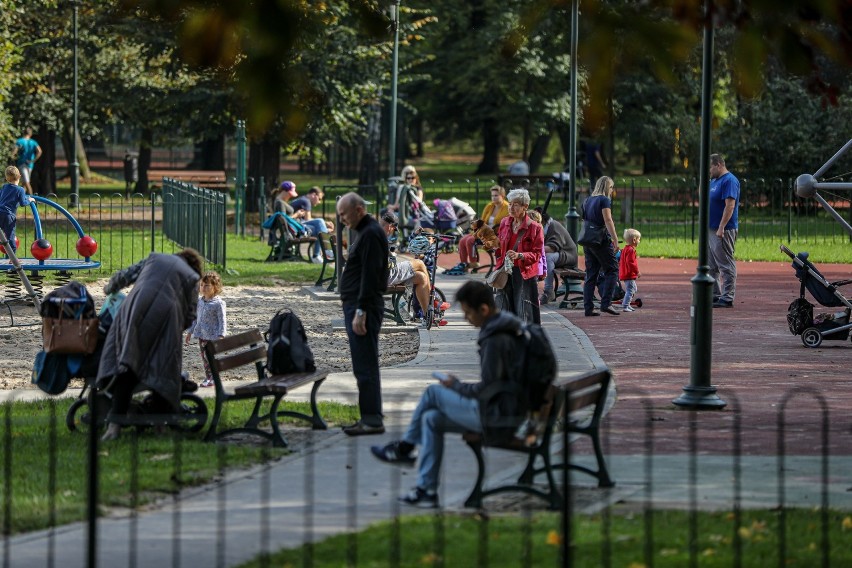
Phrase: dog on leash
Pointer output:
(485, 234)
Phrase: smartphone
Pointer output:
(439, 375)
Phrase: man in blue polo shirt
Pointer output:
(723, 204)
(27, 151)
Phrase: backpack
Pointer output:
(539, 368)
(800, 316)
(288, 350)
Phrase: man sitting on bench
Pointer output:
(453, 406)
(408, 272)
(559, 250)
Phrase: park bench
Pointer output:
(286, 247)
(576, 404)
(571, 287)
(327, 241)
(246, 349)
(211, 179)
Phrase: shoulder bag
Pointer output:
(500, 276)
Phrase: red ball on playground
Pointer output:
(87, 246)
(17, 244)
(41, 249)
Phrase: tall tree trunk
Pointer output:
(85, 172)
(264, 161)
(564, 133)
(209, 154)
(44, 172)
(538, 151)
(146, 143)
(371, 149)
(490, 163)
(418, 135)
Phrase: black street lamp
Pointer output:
(699, 394)
(394, 81)
(572, 218)
(75, 165)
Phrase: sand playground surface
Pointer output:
(247, 307)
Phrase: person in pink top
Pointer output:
(628, 267)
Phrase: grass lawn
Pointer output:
(468, 540)
(163, 464)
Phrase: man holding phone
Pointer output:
(452, 405)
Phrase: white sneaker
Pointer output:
(316, 259)
(628, 309)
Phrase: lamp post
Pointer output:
(75, 165)
(572, 218)
(394, 80)
(699, 394)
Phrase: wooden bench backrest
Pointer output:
(251, 346)
(587, 390)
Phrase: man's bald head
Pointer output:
(351, 208)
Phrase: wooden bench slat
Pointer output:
(232, 342)
(280, 384)
(252, 355)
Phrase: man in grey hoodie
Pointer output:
(452, 405)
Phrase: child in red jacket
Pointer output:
(628, 267)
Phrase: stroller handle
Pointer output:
(787, 251)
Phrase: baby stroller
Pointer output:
(74, 301)
(800, 315)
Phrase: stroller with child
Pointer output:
(74, 338)
(800, 314)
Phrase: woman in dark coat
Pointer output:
(522, 240)
(144, 342)
(601, 266)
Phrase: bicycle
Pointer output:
(426, 246)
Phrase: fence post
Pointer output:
(240, 184)
(153, 225)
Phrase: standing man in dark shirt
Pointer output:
(362, 284)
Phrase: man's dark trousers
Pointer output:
(365, 362)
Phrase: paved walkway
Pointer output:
(334, 485)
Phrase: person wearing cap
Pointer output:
(408, 272)
(362, 286)
(286, 192)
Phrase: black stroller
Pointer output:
(800, 315)
(191, 417)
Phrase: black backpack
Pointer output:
(539, 368)
(288, 350)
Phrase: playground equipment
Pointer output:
(41, 261)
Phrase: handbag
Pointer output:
(500, 276)
(70, 335)
(591, 235)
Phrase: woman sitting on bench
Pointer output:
(491, 215)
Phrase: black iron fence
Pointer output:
(195, 217)
(171, 499)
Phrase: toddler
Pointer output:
(210, 322)
(628, 267)
(12, 196)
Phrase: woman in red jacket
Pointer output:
(522, 240)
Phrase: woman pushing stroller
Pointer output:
(144, 344)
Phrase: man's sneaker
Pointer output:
(420, 498)
(392, 454)
(361, 429)
(316, 259)
(723, 304)
(207, 383)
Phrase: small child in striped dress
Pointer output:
(211, 321)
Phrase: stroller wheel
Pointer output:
(811, 337)
(193, 414)
(79, 416)
(637, 303)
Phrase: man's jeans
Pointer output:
(551, 257)
(365, 363)
(317, 226)
(430, 420)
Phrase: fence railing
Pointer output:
(195, 217)
(157, 520)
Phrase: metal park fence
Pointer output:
(69, 500)
(195, 217)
